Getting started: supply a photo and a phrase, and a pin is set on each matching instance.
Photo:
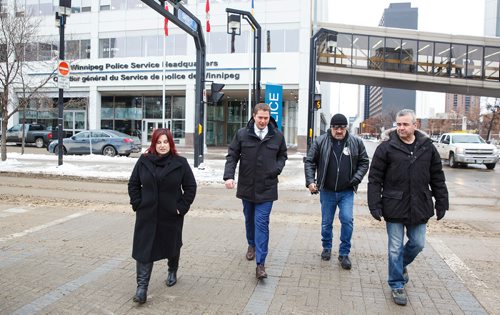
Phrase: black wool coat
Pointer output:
(402, 184)
(261, 161)
(156, 193)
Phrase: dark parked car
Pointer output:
(33, 133)
(105, 142)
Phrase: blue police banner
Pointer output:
(274, 97)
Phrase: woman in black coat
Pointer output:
(161, 188)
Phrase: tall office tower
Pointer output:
(492, 18)
(388, 100)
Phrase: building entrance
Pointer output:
(74, 121)
(149, 125)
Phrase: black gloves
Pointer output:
(376, 214)
(440, 214)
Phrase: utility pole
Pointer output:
(190, 24)
(61, 15)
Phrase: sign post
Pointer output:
(63, 71)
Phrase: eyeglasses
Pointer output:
(339, 127)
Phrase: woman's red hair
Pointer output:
(156, 135)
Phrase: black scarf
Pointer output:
(159, 160)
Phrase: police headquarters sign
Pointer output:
(146, 72)
(274, 97)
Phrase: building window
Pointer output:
(85, 49)
(78, 6)
(135, 4)
(219, 43)
(112, 47)
(106, 5)
(137, 46)
(150, 46)
(291, 40)
(467, 104)
(46, 7)
(3, 5)
(280, 40)
(133, 46)
(47, 51)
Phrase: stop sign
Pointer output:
(63, 68)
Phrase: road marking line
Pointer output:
(455, 263)
(16, 210)
(60, 292)
(43, 226)
(12, 211)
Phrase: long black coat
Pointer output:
(402, 184)
(261, 161)
(156, 193)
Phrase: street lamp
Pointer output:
(234, 28)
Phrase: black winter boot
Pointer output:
(173, 265)
(171, 278)
(143, 276)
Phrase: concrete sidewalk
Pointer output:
(81, 264)
(57, 260)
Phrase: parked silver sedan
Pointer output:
(105, 142)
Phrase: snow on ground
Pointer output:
(98, 166)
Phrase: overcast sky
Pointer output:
(465, 17)
(461, 17)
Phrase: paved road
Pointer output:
(65, 247)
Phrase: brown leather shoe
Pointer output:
(260, 272)
(250, 253)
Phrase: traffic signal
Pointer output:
(317, 101)
(216, 92)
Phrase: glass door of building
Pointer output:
(74, 121)
(149, 125)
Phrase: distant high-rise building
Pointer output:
(387, 100)
(492, 18)
(462, 105)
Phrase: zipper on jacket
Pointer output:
(338, 163)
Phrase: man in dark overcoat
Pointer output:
(261, 150)
(405, 174)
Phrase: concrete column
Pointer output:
(190, 107)
(94, 110)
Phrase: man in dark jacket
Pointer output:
(340, 161)
(406, 172)
(262, 152)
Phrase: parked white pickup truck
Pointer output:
(465, 148)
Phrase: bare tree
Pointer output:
(490, 120)
(17, 32)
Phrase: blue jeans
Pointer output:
(401, 256)
(329, 202)
(257, 227)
